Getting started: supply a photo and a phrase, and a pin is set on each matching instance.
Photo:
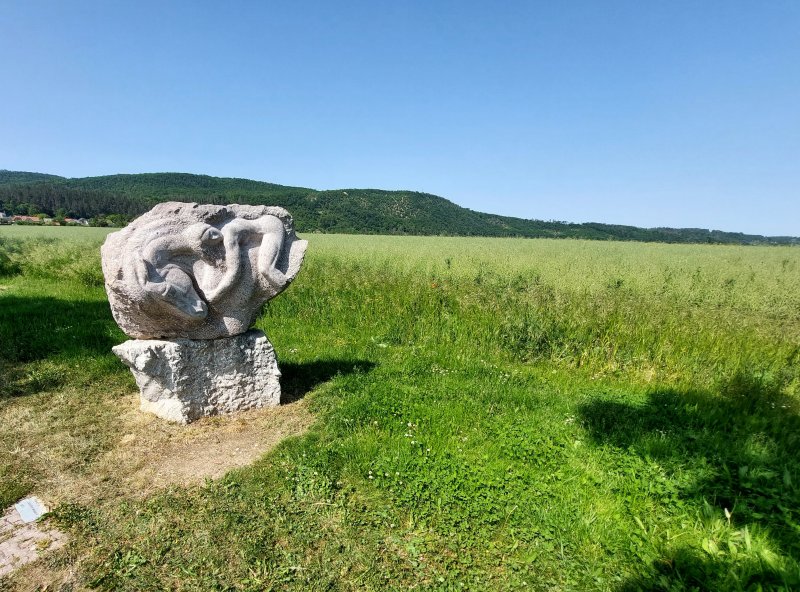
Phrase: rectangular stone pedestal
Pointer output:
(184, 379)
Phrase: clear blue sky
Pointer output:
(646, 113)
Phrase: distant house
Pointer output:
(80, 221)
(34, 219)
(4, 219)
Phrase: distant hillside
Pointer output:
(359, 211)
(8, 177)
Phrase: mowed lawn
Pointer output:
(483, 414)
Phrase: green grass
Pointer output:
(492, 414)
(81, 234)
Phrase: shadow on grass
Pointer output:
(693, 569)
(297, 380)
(34, 329)
(742, 445)
(38, 336)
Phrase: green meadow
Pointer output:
(487, 414)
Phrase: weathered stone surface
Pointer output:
(184, 379)
(198, 271)
(22, 542)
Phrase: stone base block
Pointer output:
(184, 379)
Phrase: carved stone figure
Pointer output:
(187, 281)
(199, 271)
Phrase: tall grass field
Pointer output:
(488, 414)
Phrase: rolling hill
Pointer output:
(359, 211)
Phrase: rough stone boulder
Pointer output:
(184, 379)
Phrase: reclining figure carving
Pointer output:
(199, 271)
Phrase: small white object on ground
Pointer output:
(30, 509)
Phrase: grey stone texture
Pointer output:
(22, 542)
(185, 270)
(184, 379)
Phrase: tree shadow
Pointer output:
(39, 335)
(741, 446)
(297, 380)
(691, 569)
(34, 329)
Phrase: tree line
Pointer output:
(116, 199)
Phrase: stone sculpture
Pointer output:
(198, 271)
(183, 273)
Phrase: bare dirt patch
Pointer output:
(153, 454)
(211, 447)
(137, 453)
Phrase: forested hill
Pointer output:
(362, 211)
